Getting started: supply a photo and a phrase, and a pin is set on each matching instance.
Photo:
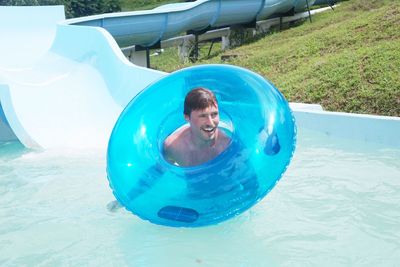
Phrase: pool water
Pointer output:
(337, 205)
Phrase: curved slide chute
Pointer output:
(72, 94)
(146, 28)
(64, 85)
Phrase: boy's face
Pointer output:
(204, 123)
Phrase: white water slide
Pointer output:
(63, 84)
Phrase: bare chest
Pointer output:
(196, 157)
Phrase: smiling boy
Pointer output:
(201, 140)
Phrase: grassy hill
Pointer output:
(129, 5)
(346, 60)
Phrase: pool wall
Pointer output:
(368, 128)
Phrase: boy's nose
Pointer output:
(210, 120)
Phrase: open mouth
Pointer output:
(209, 129)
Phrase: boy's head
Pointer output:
(199, 99)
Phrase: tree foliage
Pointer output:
(73, 8)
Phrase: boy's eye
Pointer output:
(213, 115)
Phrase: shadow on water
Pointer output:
(12, 150)
(230, 243)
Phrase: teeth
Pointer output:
(208, 129)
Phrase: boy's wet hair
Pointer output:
(198, 99)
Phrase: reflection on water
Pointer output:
(337, 205)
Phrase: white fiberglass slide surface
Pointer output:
(26, 34)
(24, 39)
(72, 88)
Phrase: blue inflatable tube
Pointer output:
(252, 112)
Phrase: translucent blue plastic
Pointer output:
(253, 112)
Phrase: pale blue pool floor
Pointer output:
(337, 205)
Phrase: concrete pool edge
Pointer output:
(383, 130)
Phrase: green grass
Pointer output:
(346, 60)
(130, 5)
